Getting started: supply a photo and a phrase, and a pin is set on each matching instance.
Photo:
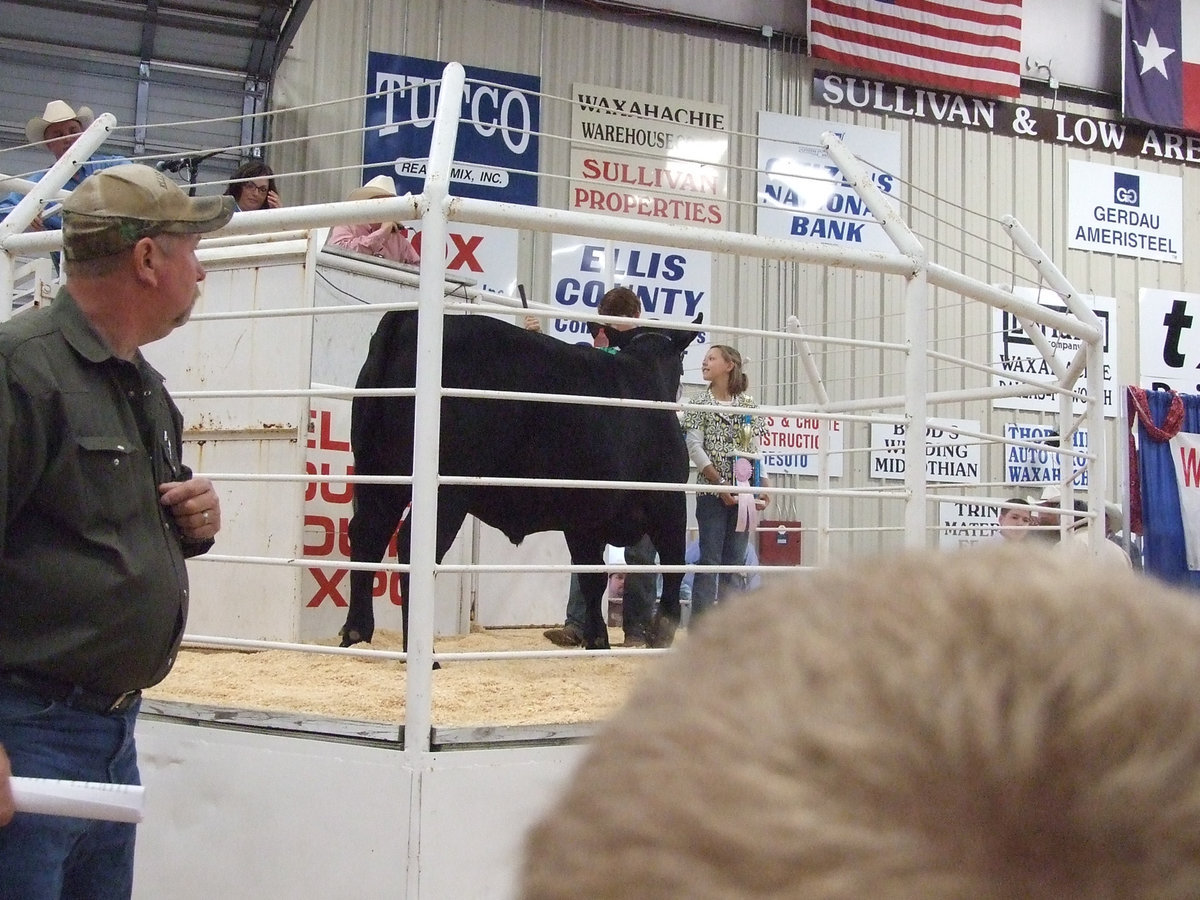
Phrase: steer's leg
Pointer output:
(452, 511)
(668, 530)
(377, 509)
(589, 550)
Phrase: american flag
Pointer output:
(1162, 62)
(967, 46)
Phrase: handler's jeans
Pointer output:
(51, 857)
(637, 606)
(721, 544)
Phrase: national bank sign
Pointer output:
(1125, 211)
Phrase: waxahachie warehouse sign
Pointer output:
(1003, 118)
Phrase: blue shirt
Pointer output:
(97, 162)
(692, 556)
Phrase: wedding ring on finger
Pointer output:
(206, 517)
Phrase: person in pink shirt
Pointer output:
(386, 240)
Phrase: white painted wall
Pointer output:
(248, 814)
(272, 435)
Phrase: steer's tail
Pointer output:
(386, 348)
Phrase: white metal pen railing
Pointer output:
(436, 208)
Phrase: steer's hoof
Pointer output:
(600, 642)
(436, 665)
(350, 637)
(661, 632)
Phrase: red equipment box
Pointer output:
(779, 543)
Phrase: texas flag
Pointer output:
(1161, 62)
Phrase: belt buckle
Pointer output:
(119, 704)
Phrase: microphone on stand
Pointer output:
(194, 161)
(191, 164)
(171, 165)
(184, 162)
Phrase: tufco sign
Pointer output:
(1009, 119)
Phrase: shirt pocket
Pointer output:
(109, 467)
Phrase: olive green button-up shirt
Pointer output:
(93, 586)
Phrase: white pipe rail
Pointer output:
(1091, 356)
(48, 187)
(418, 717)
(811, 371)
(50, 184)
(11, 183)
(436, 208)
(916, 332)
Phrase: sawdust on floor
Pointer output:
(569, 690)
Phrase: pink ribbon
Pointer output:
(747, 517)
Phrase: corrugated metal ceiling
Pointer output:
(242, 36)
(251, 36)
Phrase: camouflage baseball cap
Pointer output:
(116, 207)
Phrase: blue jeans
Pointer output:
(637, 605)
(720, 545)
(58, 857)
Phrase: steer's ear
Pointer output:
(682, 339)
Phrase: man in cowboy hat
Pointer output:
(97, 514)
(1074, 538)
(386, 240)
(57, 128)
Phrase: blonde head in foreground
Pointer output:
(998, 723)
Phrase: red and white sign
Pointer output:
(792, 446)
(325, 590)
(650, 157)
(486, 254)
(1185, 454)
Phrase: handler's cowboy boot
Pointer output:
(568, 636)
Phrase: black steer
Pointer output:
(514, 439)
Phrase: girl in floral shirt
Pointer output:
(714, 440)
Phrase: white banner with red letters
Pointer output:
(650, 157)
(792, 446)
(1185, 454)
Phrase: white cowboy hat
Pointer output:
(56, 111)
(1051, 493)
(379, 186)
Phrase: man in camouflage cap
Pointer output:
(97, 515)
